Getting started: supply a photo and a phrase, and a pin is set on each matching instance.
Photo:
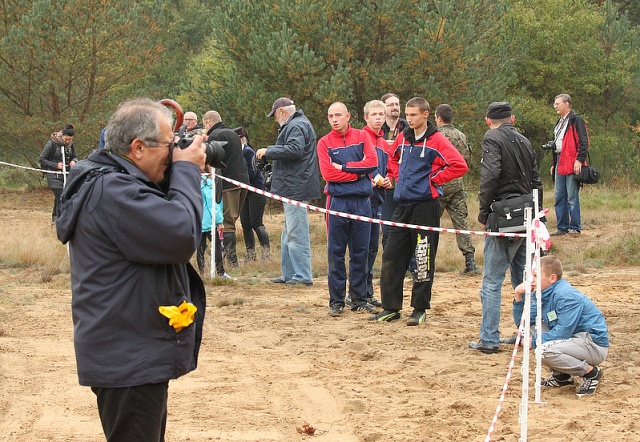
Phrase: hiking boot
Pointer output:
(374, 302)
(557, 380)
(364, 308)
(386, 316)
(417, 317)
(484, 348)
(336, 310)
(251, 255)
(590, 384)
(470, 264)
(510, 341)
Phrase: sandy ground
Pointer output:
(278, 361)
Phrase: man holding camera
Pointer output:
(570, 144)
(137, 304)
(295, 175)
(236, 168)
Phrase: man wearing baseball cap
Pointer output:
(295, 176)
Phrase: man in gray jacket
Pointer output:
(137, 304)
(295, 176)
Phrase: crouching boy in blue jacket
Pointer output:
(575, 339)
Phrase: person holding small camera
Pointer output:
(137, 303)
(296, 176)
(571, 140)
(253, 207)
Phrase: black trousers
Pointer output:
(251, 219)
(401, 247)
(133, 414)
(57, 194)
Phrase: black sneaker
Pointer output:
(336, 310)
(417, 317)
(557, 380)
(364, 308)
(509, 341)
(374, 302)
(386, 316)
(484, 348)
(348, 302)
(278, 280)
(589, 385)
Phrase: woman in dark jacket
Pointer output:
(58, 154)
(253, 207)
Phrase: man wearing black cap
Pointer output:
(509, 168)
(296, 176)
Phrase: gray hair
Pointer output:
(138, 118)
(289, 109)
(566, 98)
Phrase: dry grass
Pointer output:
(30, 242)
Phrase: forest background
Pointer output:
(74, 61)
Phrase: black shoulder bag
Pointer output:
(588, 174)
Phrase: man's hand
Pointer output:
(337, 166)
(261, 153)
(577, 167)
(71, 164)
(194, 153)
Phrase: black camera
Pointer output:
(213, 148)
(551, 145)
(265, 169)
(263, 165)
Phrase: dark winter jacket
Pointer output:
(295, 162)
(129, 247)
(236, 165)
(256, 179)
(509, 168)
(383, 158)
(52, 155)
(425, 164)
(401, 125)
(355, 152)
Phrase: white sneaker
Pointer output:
(226, 276)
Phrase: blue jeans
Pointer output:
(295, 246)
(499, 255)
(567, 204)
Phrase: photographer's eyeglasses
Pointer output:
(171, 144)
